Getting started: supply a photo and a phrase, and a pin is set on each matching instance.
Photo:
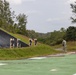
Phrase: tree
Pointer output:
(56, 37)
(63, 30)
(71, 33)
(1, 11)
(73, 7)
(32, 34)
(22, 20)
(6, 20)
(7, 14)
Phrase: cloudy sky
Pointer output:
(44, 15)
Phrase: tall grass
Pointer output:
(71, 46)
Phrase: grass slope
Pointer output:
(22, 53)
(27, 52)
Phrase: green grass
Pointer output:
(22, 53)
(71, 46)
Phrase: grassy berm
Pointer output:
(28, 52)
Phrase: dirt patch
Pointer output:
(62, 54)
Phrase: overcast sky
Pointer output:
(44, 15)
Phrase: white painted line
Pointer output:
(1, 64)
(35, 58)
(74, 74)
(53, 70)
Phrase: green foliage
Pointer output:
(73, 7)
(22, 20)
(55, 37)
(71, 33)
(7, 19)
(42, 40)
(32, 34)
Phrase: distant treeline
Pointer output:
(55, 37)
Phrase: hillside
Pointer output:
(26, 52)
(32, 51)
